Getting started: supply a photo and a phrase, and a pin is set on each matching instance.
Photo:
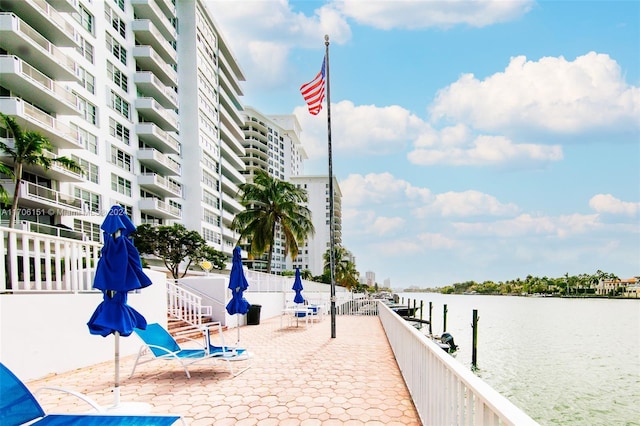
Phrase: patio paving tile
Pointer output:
(300, 376)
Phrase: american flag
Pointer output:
(313, 91)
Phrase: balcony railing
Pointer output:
(48, 201)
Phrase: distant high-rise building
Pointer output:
(370, 278)
(311, 255)
(272, 144)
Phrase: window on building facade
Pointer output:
(91, 230)
(88, 81)
(88, 110)
(120, 105)
(116, 22)
(120, 4)
(117, 77)
(88, 140)
(92, 200)
(90, 170)
(85, 49)
(210, 199)
(116, 49)
(121, 159)
(120, 185)
(85, 18)
(118, 131)
(150, 219)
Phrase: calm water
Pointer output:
(562, 361)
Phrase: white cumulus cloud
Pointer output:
(377, 188)
(418, 14)
(359, 129)
(551, 94)
(466, 203)
(607, 203)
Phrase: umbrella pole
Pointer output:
(116, 390)
(238, 327)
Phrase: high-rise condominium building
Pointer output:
(143, 94)
(272, 144)
(311, 255)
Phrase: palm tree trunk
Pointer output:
(270, 255)
(16, 195)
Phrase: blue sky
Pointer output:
(482, 140)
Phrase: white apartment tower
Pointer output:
(211, 121)
(311, 255)
(272, 144)
(144, 94)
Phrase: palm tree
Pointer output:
(345, 273)
(4, 195)
(269, 202)
(29, 148)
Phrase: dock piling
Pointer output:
(444, 321)
(474, 344)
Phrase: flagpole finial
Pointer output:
(326, 39)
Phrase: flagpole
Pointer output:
(331, 226)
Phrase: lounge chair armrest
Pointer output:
(78, 395)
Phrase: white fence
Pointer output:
(443, 390)
(40, 262)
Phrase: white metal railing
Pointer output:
(185, 305)
(44, 263)
(358, 305)
(444, 392)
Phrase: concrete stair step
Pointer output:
(182, 331)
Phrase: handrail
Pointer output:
(442, 389)
(186, 305)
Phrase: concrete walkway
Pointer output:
(299, 376)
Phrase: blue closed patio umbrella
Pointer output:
(119, 271)
(297, 287)
(238, 283)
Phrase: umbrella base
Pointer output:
(129, 408)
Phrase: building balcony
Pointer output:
(46, 200)
(57, 171)
(151, 110)
(159, 209)
(147, 34)
(168, 7)
(154, 136)
(55, 231)
(160, 185)
(49, 22)
(148, 59)
(229, 203)
(159, 162)
(150, 85)
(31, 118)
(149, 9)
(227, 218)
(17, 37)
(232, 171)
(67, 6)
(33, 86)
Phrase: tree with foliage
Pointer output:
(4, 195)
(175, 244)
(29, 149)
(345, 273)
(269, 202)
